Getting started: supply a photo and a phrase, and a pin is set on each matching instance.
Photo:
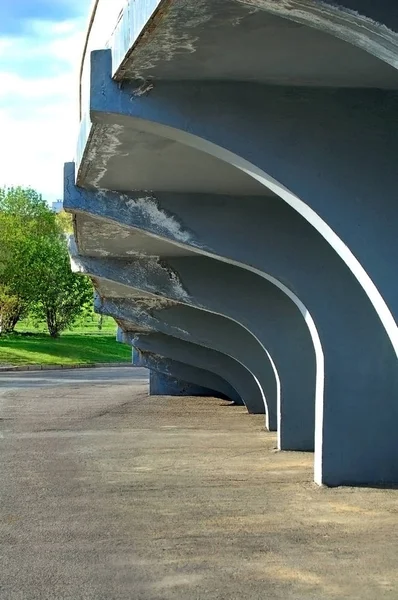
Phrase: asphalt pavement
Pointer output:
(107, 493)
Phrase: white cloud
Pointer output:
(35, 147)
(39, 97)
(39, 111)
(17, 87)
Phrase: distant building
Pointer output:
(57, 206)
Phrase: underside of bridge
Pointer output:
(234, 202)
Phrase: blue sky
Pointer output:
(40, 50)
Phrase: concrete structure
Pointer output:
(174, 378)
(182, 349)
(237, 158)
(161, 384)
(242, 296)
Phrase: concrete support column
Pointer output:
(238, 377)
(198, 324)
(200, 380)
(161, 384)
(350, 341)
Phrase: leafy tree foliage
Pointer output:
(35, 274)
(62, 296)
(24, 220)
(65, 222)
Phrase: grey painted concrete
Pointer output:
(211, 331)
(161, 384)
(253, 128)
(371, 26)
(130, 316)
(201, 357)
(262, 309)
(202, 326)
(201, 28)
(328, 153)
(269, 236)
(182, 372)
(276, 322)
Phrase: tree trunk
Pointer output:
(52, 325)
(8, 321)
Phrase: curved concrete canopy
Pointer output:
(134, 316)
(120, 242)
(144, 158)
(177, 345)
(234, 372)
(200, 325)
(238, 134)
(251, 240)
(305, 41)
(347, 21)
(240, 295)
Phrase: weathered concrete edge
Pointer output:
(63, 367)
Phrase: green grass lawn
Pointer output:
(78, 346)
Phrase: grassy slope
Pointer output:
(83, 345)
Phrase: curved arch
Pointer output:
(111, 105)
(202, 236)
(297, 204)
(231, 328)
(251, 302)
(98, 206)
(232, 370)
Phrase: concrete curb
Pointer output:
(64, 367)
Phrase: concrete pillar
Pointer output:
(204, 327)
(340, 160)
(119, 335)
(183, 373)
(265, 235)
(261, 308)
(237, 376)
(161, 384)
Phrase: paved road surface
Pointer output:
(107, 494)
(115, 375)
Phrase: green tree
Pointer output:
(62, 296)
(65, 222)
(35, 273)
(25, 219)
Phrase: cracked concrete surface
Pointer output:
(109, 494)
